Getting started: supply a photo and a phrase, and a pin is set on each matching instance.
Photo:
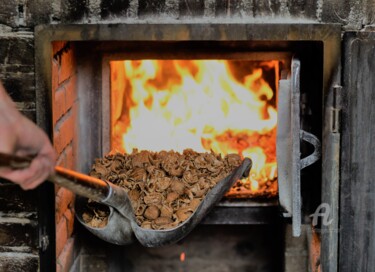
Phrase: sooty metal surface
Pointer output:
(244, 212)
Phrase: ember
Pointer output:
(182, 256)
(165, 188)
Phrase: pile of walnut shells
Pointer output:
(165, 188)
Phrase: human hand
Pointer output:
(20, 136)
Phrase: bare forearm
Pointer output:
(18, 135)
(9, 113)
(5, 100)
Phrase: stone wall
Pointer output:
(18, 212)
(17, 20)
(353, 14)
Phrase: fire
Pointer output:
(205, 105)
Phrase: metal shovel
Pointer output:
(118, 230)
(121, 221)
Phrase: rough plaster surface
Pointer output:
(352, 14)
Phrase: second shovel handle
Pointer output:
(81, 184)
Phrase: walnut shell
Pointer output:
(184, 213)
(162, 184)
(200, 162)
(157, 173)
(139, 219)
(99, 222)
(195, 203)
(172, 196)
(155, 226)
(164, 188)
(152, 212)
(138, 174)
(141, 159)
(200, 193)
(166, 211)
(234, 160)
(101, 170)
(146, 225)
(163, 221)
(87, 217)
(153, 199)
(190, 177)
(115, 166)
(177, 186)
(151, 185)
(140, 209)
(171, 164)
(134, 195)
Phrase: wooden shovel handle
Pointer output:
(14, 162)
(78, 183)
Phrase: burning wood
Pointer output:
(165, 188)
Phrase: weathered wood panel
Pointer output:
(357, 209)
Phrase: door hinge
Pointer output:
(336, 109)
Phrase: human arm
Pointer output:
(20, 136)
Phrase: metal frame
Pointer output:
(295, 162)
(270, 36)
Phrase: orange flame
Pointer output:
(199, 104)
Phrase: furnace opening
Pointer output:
(227, 106)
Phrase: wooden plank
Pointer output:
(357, 207)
